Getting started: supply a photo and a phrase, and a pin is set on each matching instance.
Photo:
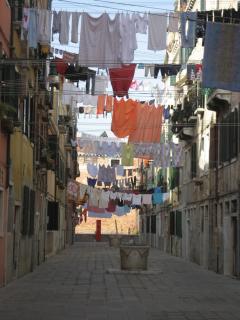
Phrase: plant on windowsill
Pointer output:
(7, 114)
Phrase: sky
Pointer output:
(142, 55)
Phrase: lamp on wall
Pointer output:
(53, 76)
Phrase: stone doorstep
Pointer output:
(134, 272)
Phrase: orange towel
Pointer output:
(124, 117)
(109, 103)
(149, 124)
(101, 104)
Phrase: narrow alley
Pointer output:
(75, 284)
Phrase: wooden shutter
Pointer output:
(179, 224)
(31, 212)
(25, 210)
(172, 223)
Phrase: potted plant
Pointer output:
(7, 113)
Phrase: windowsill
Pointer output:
(227, 163)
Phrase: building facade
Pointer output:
(37, 157)
(201, 220)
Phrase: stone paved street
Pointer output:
(74, 285)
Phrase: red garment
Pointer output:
(61, 66)
(111, 206)
(121, 79)
(124, 117)
(95, 209)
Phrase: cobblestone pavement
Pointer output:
(74, 285)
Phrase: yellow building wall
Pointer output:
(22, 163)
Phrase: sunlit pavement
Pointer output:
(75, 285)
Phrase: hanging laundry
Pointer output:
(148, 124)
(56, 22)
(173, 24)
(137, 200)
(91, 182)
(121, 79)
(127, 198)
(82, 191)
(64, 27)
(101, 84)
(149, 68)
(166, 112)
(25, 24)
(92, 170)
(127, 155)
(166, 70)
(124, 117)
(173, 178)
(111, 206)
(32, 28)
(109, 104)
(105, 215)
(101, 104)
(141, 22)
(104, 199)
(89, 100)
(44, 26)
(94, 197)
(147, 199)
(128, 38)
(120, 170)
(157, 32)
(157, 196)
(188, 29)
(99, 41)
(221, 60)
(61, 66)
(75, 23)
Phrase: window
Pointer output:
(115, 162)
(176, 223)
(148, 224)
(228, 143)
(172, 223)
(213, 150)
(215, 214)
(202, 218)
(221, 214)
(234, 206)
(227, 207)
(28, 211)
(153, 224)
(53, 215)
(179, 224)
(194, 160)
